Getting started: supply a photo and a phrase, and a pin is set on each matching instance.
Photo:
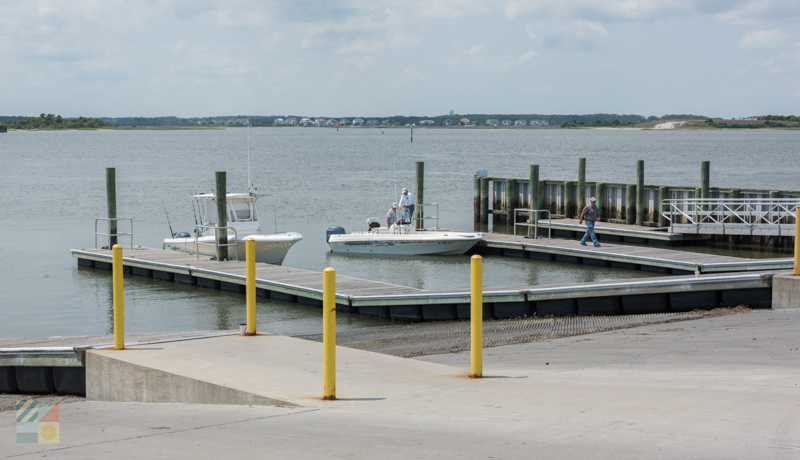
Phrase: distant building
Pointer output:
(358, 121)
(344, 122)
(449, 122)
(373, 122)
(506, 122)
(538, 123)
(278, 121)
(520, 123)
(320, 121)
(464, 121)
(331, 122)
(291, 122)
(425, 123)
(305, 121)
(492, 122)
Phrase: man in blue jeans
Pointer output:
(591, 215)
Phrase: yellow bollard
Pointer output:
(250, 262)
(119, 310)
(796, 240)
(476, 317)
(329, 333)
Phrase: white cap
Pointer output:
(394, 205)
(593, 199)
(405, 190)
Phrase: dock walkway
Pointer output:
(667, 261)
(618, 233)
(653, 295)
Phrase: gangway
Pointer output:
(732, 216)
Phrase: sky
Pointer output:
(186, 58)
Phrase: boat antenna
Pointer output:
(395, 179)
(168, 222)
(275, 211)
(249, 184)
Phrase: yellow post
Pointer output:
(796, 240)
(250, 246)
(329, 333)
(119, 310)
(476, 317)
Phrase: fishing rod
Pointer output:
(168, 222)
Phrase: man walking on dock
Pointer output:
(590, 214)
(407, 202)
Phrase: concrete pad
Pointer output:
(265, 369)
(785, 292)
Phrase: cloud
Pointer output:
(477, 57)
(762, 39)
(579, 34)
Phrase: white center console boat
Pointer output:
(242, 224)
(402, 238)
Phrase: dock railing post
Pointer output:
(796, 240)
(222, 214)
(329, 334)
(420, 193)
(640, 192)
(476, 317)
(111, 204)
(250, 289)
(119, 307)
(581, 184)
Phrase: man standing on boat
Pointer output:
(591, 214)
(391, 216)
(407, 202)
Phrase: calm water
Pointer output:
(53, 187)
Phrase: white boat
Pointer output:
(242, 224)
(401, 239)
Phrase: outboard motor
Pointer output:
(183, 235)
(333, 231)
(373, 222)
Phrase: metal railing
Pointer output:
(108, 229)
(419, 218)
(535, 223)
(732, 216)
(216, 243)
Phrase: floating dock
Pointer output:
(652, 259)
(354, 295)
(620, 233)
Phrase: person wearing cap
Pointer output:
(407, 202)
(391, 216)
(590, 214)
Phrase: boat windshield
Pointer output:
(241, 209)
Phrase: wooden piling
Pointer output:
(476, 202)
(533, 192)
(735, 194)
(220, 179)
(419, 194)
(600, 194)
(704, 180)
(630, 204)
(511, 200)
(663, 193)
(640, 192)
(569, 200)
(581, 184)
(484, 200)
(111, 203)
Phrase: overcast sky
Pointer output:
(725, 58)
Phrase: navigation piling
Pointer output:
(581, 184)
(476, 317)
(533, 192)
(329, 334)
(111, 203)
(419, 167)
(119, 307)
(222, 214)
(640, 192)
(250, 287)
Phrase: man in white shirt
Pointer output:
(407, 202)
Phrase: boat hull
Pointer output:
(426, 244)
(270, 249)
